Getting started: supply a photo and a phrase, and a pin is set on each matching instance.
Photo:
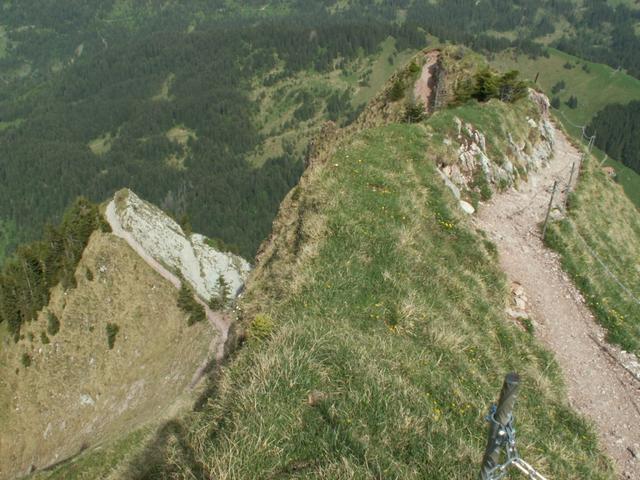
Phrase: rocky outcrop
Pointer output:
(190, 257)
(526, 152)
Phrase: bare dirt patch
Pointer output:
(424, 86)
(598, 385)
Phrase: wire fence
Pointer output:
(604, 266)
(590, 250)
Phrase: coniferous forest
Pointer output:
(157, 96)
(616, 129)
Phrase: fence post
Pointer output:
(573, 167)
(606, 157)
(546, 218)
(503, 415)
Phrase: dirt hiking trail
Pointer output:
(597, 385)
(217, 320)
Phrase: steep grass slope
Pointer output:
(376, 340)
(66, 388)
(600, 246)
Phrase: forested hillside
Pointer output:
(616, 128)
(168, 98)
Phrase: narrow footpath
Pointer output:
(219, 321)
(598, 386)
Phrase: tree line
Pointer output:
(28, 276)
(213, 52)
(616, 129)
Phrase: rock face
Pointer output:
(191, 257)
(472, 151)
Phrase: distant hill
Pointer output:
(92, 95)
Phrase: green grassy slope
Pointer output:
(351, 86)
(377, 341)
(604, 224)
(595, 88)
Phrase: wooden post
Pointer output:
(546, 218)
(496, 430)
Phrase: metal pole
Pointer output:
(502, 416)
(546, 218)
(573, 167)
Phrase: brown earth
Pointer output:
(598, 386)
(425, 84)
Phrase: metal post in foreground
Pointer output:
(546, 218)
(498, 429)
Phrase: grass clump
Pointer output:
(393, 309)
(603, 224)
(261, 328)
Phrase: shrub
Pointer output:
(414, 68)
(397, 91)
(572, 102)
(53, 324)
(112, 331)
(189, 305)
(219, 301)
(482, 185)
(558, 86)
(44, 338)
(486, 85)
(414, 112)
(555, 102)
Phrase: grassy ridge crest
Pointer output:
(387, 340)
